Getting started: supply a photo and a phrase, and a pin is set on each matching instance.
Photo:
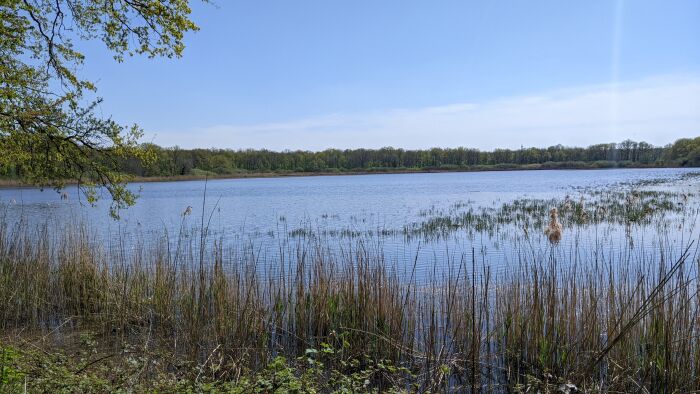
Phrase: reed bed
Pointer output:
(633, 206)
(611, 325)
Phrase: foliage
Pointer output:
(10, 378)
(685, 152)
(49, 129)
(83, 369)
(182, 162)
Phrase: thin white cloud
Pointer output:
(657, 110)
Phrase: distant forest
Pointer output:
(176, 162)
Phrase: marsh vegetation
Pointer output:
(197, 311)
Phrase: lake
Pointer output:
(439, 217)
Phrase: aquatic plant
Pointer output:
(554, 230)
(615, 323)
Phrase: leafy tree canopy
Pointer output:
(49, 130)
(685, 151)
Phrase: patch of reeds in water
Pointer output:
(631, 207)
(546, 325)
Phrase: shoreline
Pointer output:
(12, 183)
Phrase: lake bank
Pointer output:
(15, 183)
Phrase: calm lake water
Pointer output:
(262, 212)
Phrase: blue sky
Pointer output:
(414, 74)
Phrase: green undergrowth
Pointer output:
(88, 366)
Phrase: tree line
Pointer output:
(167, 162)
(176, 161)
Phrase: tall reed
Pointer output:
(618, 323)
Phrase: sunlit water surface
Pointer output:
(273, 216)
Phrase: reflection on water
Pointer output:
(422, 224)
